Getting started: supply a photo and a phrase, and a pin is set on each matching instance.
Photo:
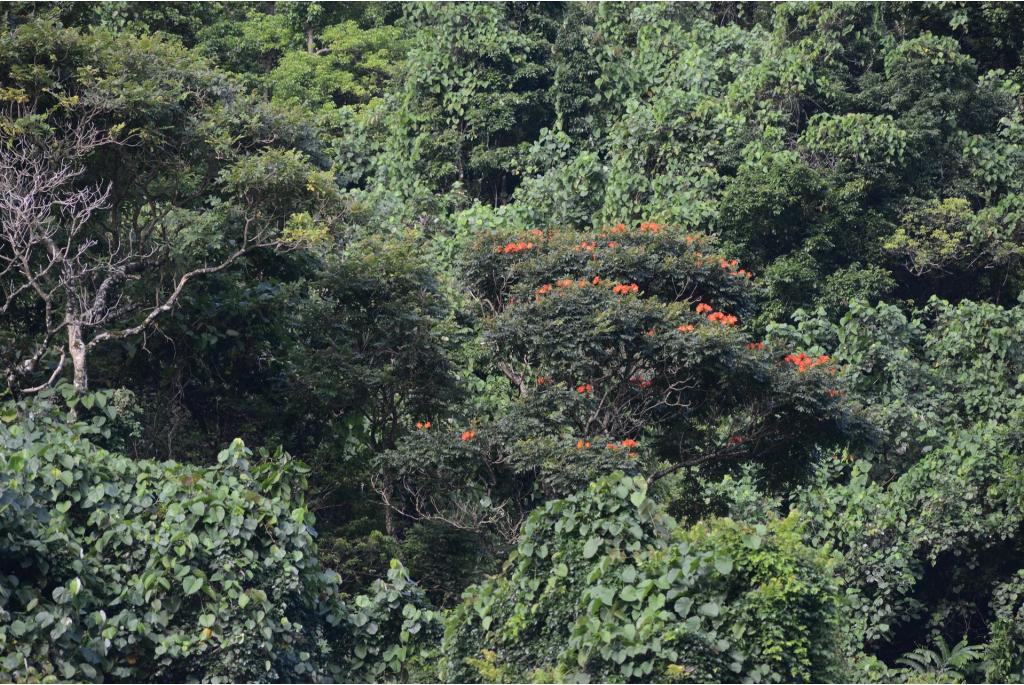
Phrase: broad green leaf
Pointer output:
(591, 546)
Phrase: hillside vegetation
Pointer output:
(511, 342)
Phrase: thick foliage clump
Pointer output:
(127, 569)
(605, 586)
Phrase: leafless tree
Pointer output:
(57, 255)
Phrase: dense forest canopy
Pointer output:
(498, 342)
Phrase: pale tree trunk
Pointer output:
(76, 350)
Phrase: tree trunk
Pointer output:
(76, 349)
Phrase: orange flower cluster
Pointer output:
(585, 247)
(580, 444)
(512, 248)
(724, 319)
(685, 328)
(564, 283)
(536, 232)
(423, 425)
(730, 265)
(755, 345)
(649, 228)
(613, 244)
(619, 228)
(585, 388)
(541, 380)
(804, 363)
(626, 444)
(691, 239)
(720, 317)
(650, 333)
(467, 435)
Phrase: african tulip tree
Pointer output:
(620, 349)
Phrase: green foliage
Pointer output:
(944, 664)
(447, 322)
(475, 93)
(122, 568)
(604, 585)
(1005, 654)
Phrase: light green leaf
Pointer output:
(709, 609)
(192, 584)
(591, 546)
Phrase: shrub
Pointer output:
(605, 586)
(114, 568)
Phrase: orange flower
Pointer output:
(596, 280)
(619, 228)
(565, 283)
(650, 333)
(684, 328)
(587, 387)
(649, 228)
(419, 425)
(512, 248)
(755, 345)
(629, 442)
(612, 446)
(468, 435)
(722, 318)
(803, 363)
(704, 307)
(541, 380)
(613, 244)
